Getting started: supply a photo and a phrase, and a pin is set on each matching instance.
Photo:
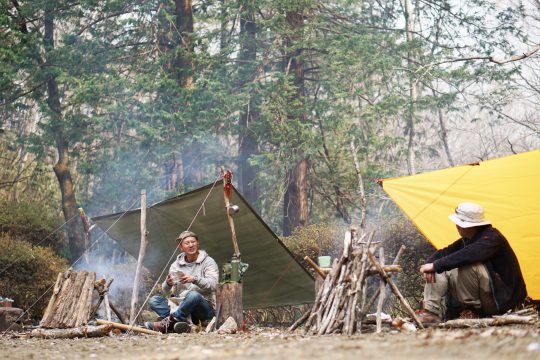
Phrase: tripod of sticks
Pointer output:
(341, 303)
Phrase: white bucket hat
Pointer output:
(469, 214)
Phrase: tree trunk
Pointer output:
(184, 67)
(183, 63)
(296, 210)
(444, 134)
(62, 166)
(173, 173)
(413, 91)
(248, 144)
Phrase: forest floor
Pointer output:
(508, 342)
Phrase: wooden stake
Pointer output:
(382, 294)
(142, 252)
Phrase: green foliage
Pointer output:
(27, 220)
(27, 272)
(315, 240)
(131, 121)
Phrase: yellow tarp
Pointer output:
(509, 190)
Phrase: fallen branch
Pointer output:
(127, 327)
(82, 331)
(494, 321)
(300, 321)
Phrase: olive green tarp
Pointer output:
(274, 277)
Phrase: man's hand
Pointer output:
(428, 272)
(169, 280)
(186, 279)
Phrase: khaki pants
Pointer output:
(469, 285)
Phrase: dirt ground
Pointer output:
(487, 343)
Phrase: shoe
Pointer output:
(182, 327)
(427, 318)
(164, 326)
(468, 314)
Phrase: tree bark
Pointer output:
(62, 168)
(296, 210)
(248, 144)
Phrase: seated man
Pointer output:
(480, 271)
(190, 287)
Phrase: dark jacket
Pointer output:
(492, 249)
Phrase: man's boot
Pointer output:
(164, 326)
(182, 327)
(428, 318)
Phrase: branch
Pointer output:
(491, 58)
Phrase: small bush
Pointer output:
(400, 231)
(26, 273)
(315, 240)
(30, 221)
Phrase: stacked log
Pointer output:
(337, 302)
(71, 302)
(340, 305)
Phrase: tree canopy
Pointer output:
(308, 102)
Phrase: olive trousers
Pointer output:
(469, 285)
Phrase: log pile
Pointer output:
(71, 302)
(341, 304)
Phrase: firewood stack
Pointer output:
(71, 301)
(341, 303)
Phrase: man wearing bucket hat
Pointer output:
(190, 289)
(479, 272)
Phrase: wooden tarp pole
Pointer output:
(229, 295)
(87, 237)
(142, 251)
(227, 193)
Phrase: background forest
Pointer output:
(307, 102)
